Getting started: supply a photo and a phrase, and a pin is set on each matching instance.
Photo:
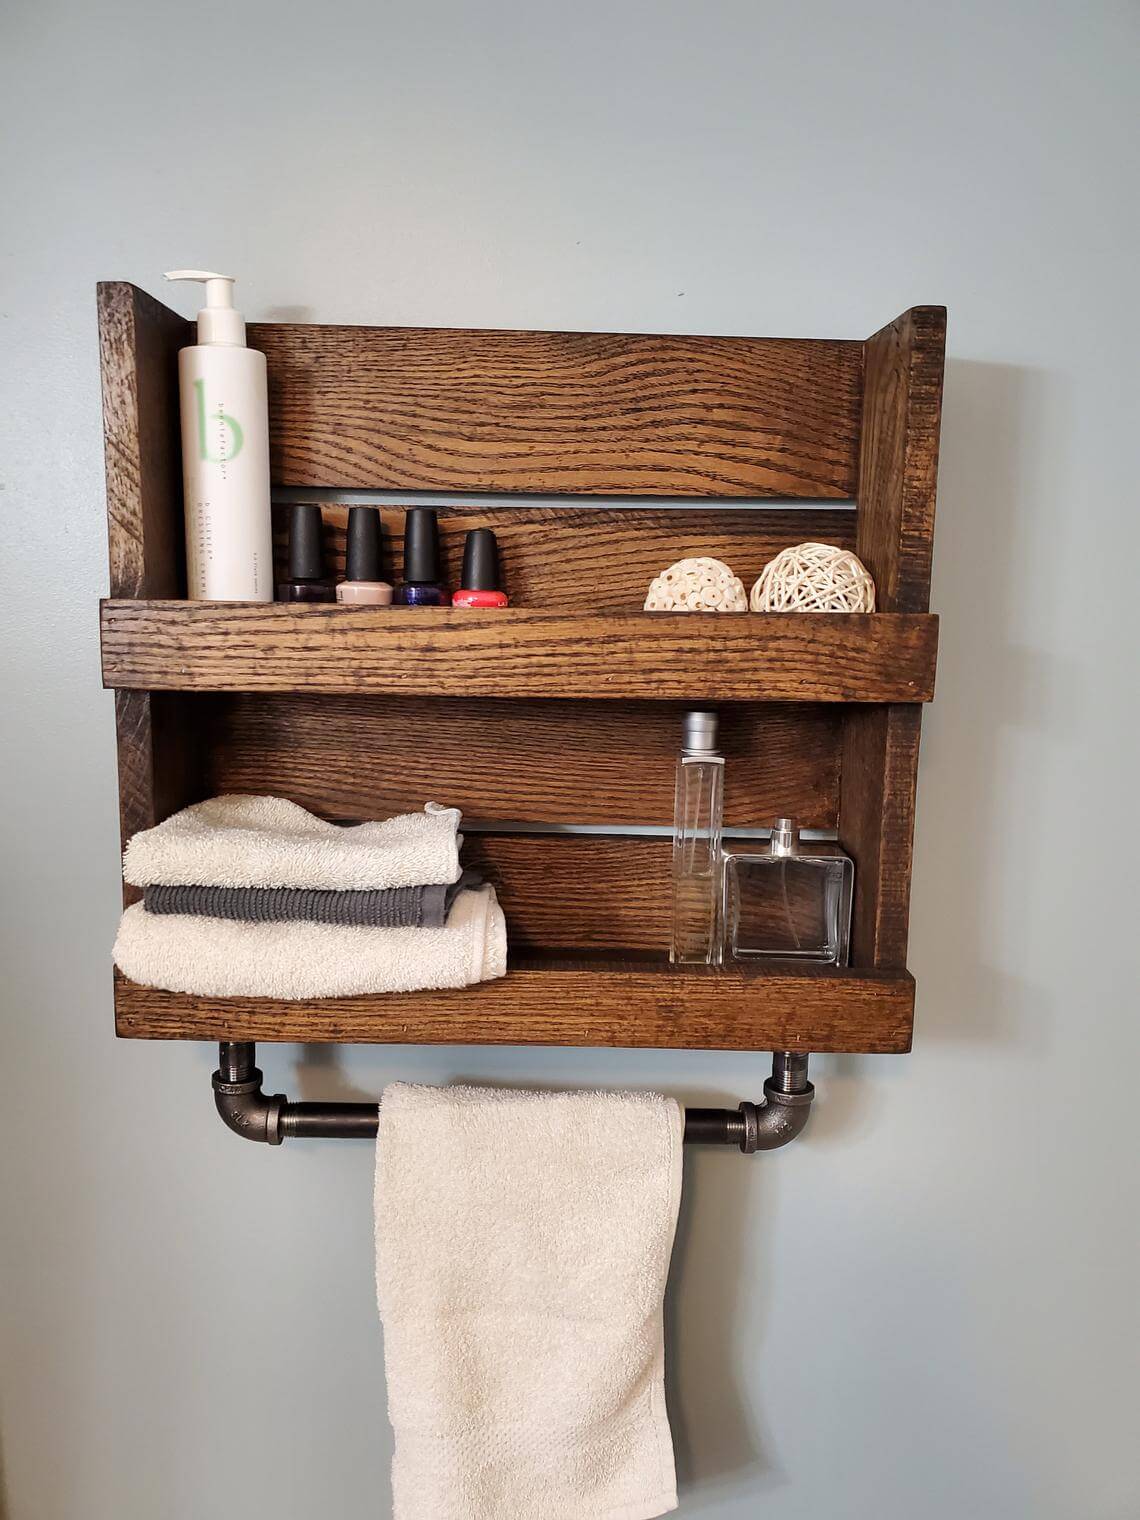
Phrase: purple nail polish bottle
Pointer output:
(421, 586)
(307, 579)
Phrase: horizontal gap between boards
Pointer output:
(283, 494)
(623, 830)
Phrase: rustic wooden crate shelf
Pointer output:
(620, 999)
(365, 713)
(518, 652)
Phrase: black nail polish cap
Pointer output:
(421, 546)
(364, 546)
(480, 562)
(306, 558)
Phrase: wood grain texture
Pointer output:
(876, 821)
(595, 1001)
(566, 892)
(614, 414)
(592, 558)
(898, 466)
(159, 756)
(139, 341)
(572, 891)
(515, 652)
(898, 460)
(602, 763)
(360, 714)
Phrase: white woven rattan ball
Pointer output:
(814, 578)
(697, 585)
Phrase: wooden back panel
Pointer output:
(609, 764)
(598, 414)
(562, 893)
(594, 559)
(536, 764)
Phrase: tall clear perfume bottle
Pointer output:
(698, 810)
(791, 903)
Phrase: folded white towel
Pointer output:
(268, 842)
(219, 957)
(522, 1246)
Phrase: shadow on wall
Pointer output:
(991, 693)
(716, 1438)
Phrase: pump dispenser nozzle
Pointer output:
(218, 322)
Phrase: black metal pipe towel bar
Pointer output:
(779, 1116)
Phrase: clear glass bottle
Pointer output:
(698, 809)
(791, 903)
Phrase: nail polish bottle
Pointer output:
(307, 579)
(481, 580)
(364, 584)
(422, 585)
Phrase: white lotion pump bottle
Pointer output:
(225, 453)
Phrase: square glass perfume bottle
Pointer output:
(792, 902)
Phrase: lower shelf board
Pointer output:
(617, 999)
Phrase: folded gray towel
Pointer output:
(424, 907)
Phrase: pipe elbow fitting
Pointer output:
(245, 1109)
(775, 1121)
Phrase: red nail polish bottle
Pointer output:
(480, 584)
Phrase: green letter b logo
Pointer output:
(225, 422)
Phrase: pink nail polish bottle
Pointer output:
(364, 584)
(481, 579)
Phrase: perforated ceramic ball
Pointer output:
(814, 578)
(697, 585)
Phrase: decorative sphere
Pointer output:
(697, 585)
(814, 578)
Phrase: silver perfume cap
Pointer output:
(700, 733)
(784, 837)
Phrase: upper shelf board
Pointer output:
(518, 652)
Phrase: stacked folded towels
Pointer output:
(255, 897)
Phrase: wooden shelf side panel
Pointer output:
(898, 457)
(898, 466)
(139, 339)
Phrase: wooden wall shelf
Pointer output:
(515, 652)
(620, 1000)
(557, 710)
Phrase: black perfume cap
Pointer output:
(480, 562)
(421, 545)
(306, 558)
(364, 551)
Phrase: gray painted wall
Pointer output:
(925, 1309)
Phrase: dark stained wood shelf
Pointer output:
(660, 446)
(518, 652)
(619, 999)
